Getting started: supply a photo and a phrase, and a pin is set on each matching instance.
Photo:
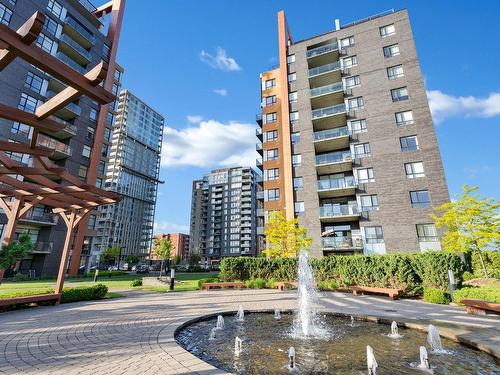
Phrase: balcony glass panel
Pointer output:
(77, 47)
(322, 49)
(334, 157)
(328, 111)
(71, 63)
(341, 242)
(337, 183)
(331, 133)
(81, 30)
(324, 69)
(338, 210)
(328, 89)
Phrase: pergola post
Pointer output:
(12, 211)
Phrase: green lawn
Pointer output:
(115, 284)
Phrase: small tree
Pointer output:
(110, 255)
(132, 259)
(177, 259)
(472, 222)
(284, 238)
(15, 251)
(194, 261)
(163, 250)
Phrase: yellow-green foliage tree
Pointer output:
(284, 237)
(163, 250)
(472, 223)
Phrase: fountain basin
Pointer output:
(266, 342)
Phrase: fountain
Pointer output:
(291, 358)
(277, 314)
(352, 321)
(394, 331)
(434, 340)
(220, 322)
(371, 362)
(237, 346)
(212, 334)
(240, 315)
(424, 359)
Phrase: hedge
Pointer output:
(410, 272)
(491, 261)
(434, 295)
(88, 293)
(490, 294)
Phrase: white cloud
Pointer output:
(444, 106)
(166, 227)
(220, 60)
(221, 92)
(473, 172)
(194, 119)
(210, 144)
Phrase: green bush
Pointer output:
(207, 280)
(434, 295)
(136, 282)
(84, 293)
(491, 261)
(26, 293)
(20, 277)
(490, 294)
(270, 283)
(327, 285)
(106, 273)
(468, 276)
(256, 283)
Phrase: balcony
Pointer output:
(334, 162)
(258, 118)
(70, 62)
(40, 218)
(68, 131)
(324, 96)
(42, 247)
(325, 74)
(74, 50)
(258, 133)
(260, 195)
(78, 32)
(323, 54)
(260, 231)
(341, 244)
(69, 112)
(260, 212)
(331, 139)
(337, 187)
(339, 212)
(258, 162)
(61, 150)
(258, 147)
(328, 117)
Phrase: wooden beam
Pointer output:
(103, 9)
(70, 219)
(24, 170)
(14, 114)
(69, 94)
(24, 148)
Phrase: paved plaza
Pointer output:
(135, 335)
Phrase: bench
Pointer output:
(235, 285)
(392, 293)
(282, 285)
(477, 306)
(4, 303)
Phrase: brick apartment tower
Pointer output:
(180, 244)
(348, 142)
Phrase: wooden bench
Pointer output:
(282, 285)
(4, 303)
(235, 285)
(477, 306)
(392, 293)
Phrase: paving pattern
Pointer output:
(135, 335)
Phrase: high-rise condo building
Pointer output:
(223, 214)
(74, 34)
(133, 172)
(348, 142)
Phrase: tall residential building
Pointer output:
(223, 214)
(180, 245)
(133, 172)
(348, 140)
(74, 35)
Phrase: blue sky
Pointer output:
(198, 63)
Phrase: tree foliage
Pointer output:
(110, 255)
(132, 259)
(163, 248)
(285, 238)
(15, 251)
(472, 224)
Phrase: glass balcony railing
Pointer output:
(258, 162)
(69, 128)
(43, 247)
(328, 111)
(328, 89)
(341, 243)
(260, 195)
(80, 29)
(88, 5)
(334, 157)
(77, 47)
(322, 49)
(339, 210)
(331, 133)
(324, 69)
(57, 146)
(258, 132)
(337, 183)
(41, 217)
(258, 146)
(71, 63)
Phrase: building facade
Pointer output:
(74, 35)
(348, 142)
(180, 245)
(223, 215)
(132, 171)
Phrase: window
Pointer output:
(347, 62)
(399, 94)
(392, 50)
(110, 118)
(115, 88)
(352, 82)
(5, 14)
(365, 175)
(107, 134)
(294, 116)
(271, 117)
(356, 103)
(273, 194)
(347, 42)
(98, 182)
(50, 26)
(292, 77)
(427, 233)
(298, 183)
(82, 172)
(27, 103)
(45, 43)
(93, 115)
(420, 199)
(394, 72)
(404, 118)
(269, 100)
(290, 59)
(33, 82)
(118, 75)
(295, 137)
(21, 129)
(292, 97)
(272, 154)
(86, 151)
(387, 30)
(369, 202)
(362, 150)
(357, 126)
(271, 136)
(91, 223)
(299, 208)
(101, 167)
(55, 8)
(409, 143)
(374, 235)
(270, 83)
(90, 133)
(414, 169)
(272, 174)
(296, 160)
(104, 151)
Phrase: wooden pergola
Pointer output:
(40, 181)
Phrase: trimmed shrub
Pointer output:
(20, 277)
(136, 282)
(270, 283)
(434, 295)
(489, 294)
(491, 261)
(256, 284)
(207, 280)
(327, 285)
(84, 293)
(468, 276)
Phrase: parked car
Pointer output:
(142, 269)
(125, 267)
(113, 268)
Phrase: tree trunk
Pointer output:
(161, 267)
(1, 276)
(482, 263)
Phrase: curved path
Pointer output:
(134, 335)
